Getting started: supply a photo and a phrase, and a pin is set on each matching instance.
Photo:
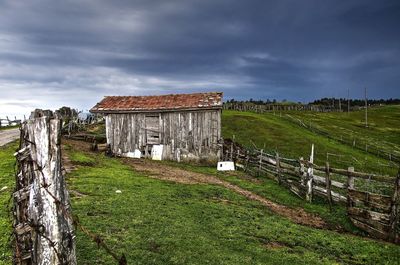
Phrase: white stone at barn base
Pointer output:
(156, 152)
(136, 154)
(225, 166)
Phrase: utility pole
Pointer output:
(348, 100)
(366, 108)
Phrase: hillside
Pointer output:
(165, 219)
(383, 131)
(278, 133)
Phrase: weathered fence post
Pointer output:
(310, 173)
(302, 171)
(247, 161)
(43, 225)
(394, 214)
(260, 162)
(350, 185)
(278, 168)
(328, 185)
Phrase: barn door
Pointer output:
(153, 129)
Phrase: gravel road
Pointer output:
(7, 136)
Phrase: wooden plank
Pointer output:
(322, 181)
(336, 197)
(369, 229)
(367, 214)
(362, 175)
(378, 201)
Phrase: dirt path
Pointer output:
(7, 136)
(164, 172)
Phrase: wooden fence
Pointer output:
(43, 225)
(7, 122)
(349, 140)
(274, 107)
(372, 200)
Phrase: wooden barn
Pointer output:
(188, 126)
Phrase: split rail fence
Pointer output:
(372, 201)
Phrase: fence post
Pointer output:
(394, 215)
(350, 185)
(247, 160)
(260, 161)
(278, 168)
(43, 223)
(328, 185)
(302, 171)
(309, 185)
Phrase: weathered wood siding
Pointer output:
(185, 134)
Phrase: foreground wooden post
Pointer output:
(43, 225)
(310, 173)
(394, 214)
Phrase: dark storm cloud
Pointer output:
(50, 52)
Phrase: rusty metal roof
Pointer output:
(172, 102)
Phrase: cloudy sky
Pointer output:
(55, 53)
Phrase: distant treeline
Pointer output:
(321, 105)
(328, 102)
(354, 102)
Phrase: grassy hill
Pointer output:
(277, 133)
(155, 221)
(383, 129)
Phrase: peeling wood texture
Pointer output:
(43, 226)
(186, 135)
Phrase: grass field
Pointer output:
(160, 222)
(293, 140)
(383, 125)
(8, 127)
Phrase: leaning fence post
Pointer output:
(278, 167)
(260, 161)
(247, 160)
(309, 193)
(328, 185)
(350, 185)
(394, 214)
(302, 171)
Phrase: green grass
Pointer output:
(159, 222)
(81, 159)
(7, 178)
(270, 189)
(383, 125)
(2, 128)
(274, 133)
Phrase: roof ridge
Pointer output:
(197, 93)
(202, 100)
